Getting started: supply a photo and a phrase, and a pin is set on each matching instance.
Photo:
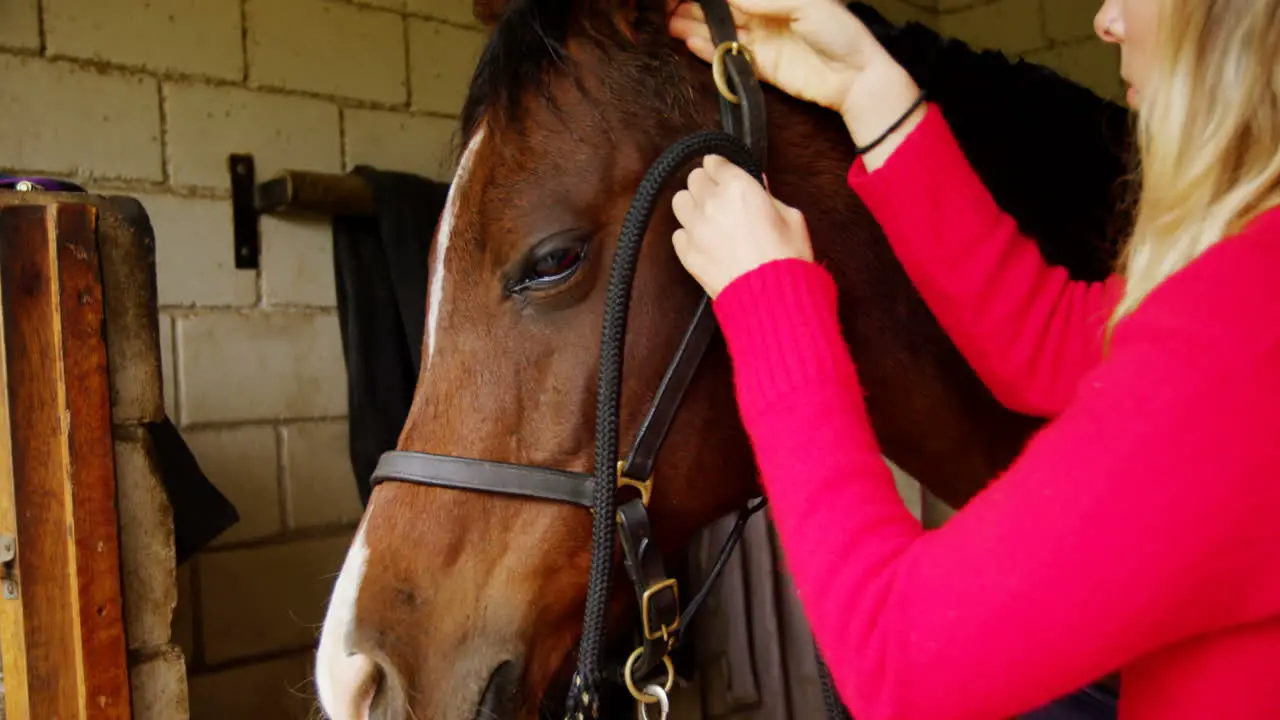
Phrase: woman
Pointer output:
(1135, 532)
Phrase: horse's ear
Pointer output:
(488, 11)
(625, 13)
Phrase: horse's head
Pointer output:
(454, 601)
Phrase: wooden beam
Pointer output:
(13, 641)
(298, 191)
(46, 555)
(61, 609)
(84, 356)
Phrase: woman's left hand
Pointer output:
(731, 225)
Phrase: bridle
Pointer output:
(662, 623)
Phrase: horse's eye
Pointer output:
(551, 263)
(557, 262)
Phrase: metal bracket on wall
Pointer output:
(244, 211)
(290, 192)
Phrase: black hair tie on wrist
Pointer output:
(896, 124)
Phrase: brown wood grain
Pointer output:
(13, 643)
(88, 396)
(38, 417)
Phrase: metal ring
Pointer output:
(664, 704)
(717, 66)
(631, 683)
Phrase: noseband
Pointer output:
(662, 624)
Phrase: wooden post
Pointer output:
(61, 610)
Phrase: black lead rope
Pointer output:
(585, 691)
(741, 141)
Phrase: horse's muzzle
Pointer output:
(501, 699)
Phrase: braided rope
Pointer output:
(584, 693)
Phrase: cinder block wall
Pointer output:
(148, 97)
(1056, 33)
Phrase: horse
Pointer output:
(454, 604)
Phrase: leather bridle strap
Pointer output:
(484, 476)
(744, 120)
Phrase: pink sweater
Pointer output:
(1138, 531)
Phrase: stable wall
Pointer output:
(1055, 33)
(148, 97)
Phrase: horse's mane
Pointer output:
(1052, 153)
(527, 47)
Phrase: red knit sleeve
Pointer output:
(1128, 525)
(1029, 331)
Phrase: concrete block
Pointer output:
(78, 122)
(385, 4)
(127, 251)
(159, 686)
(1092, 63)
(205, 123)
(200, 37)
(194, 265)
(909, 489)
(184, 617)
(146, 543)
(396, 141)
(243, 464)
(936, 512)
(266, 599)
(166, 366)
(279, 689)
(441, 60)
(321, 484)
(309, 45)
(459, 12)
(1067, 20)
(260, 366)
(297, 262)
(20, 24)
(1010, 26)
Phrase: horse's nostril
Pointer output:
(386, 699)
(501, 697)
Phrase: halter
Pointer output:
(662, 624)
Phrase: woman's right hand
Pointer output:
(820, 52)
(814, 50)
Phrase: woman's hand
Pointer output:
(813, 50)
(820, 52)
(731, 225)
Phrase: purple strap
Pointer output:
(11, 182)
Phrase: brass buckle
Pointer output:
(636, 693)
(645, 487)
(717, 66)
(654, 589)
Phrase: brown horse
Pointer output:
(450, 603)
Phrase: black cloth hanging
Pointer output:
(200, 511)
(380, 267)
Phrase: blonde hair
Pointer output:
(1208, 130)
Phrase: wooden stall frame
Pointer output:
(61, 604)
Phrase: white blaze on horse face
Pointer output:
(344, 681)
(435, 297)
